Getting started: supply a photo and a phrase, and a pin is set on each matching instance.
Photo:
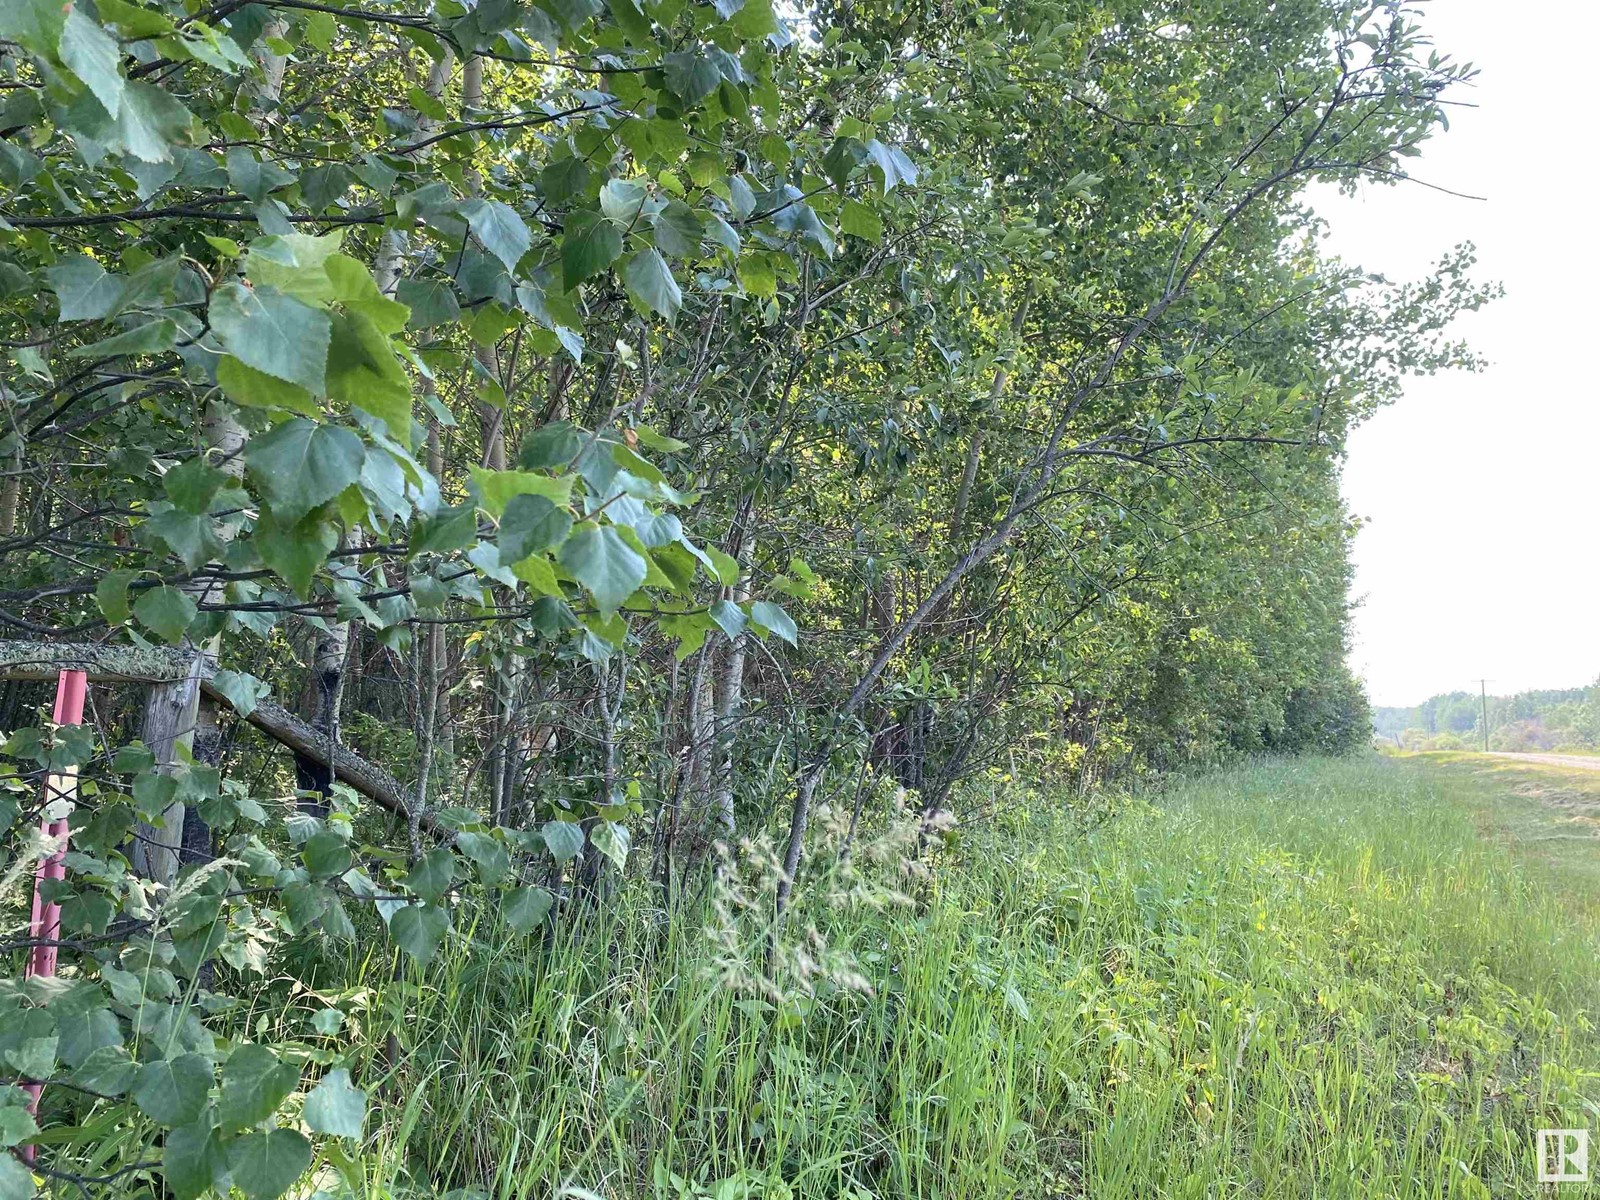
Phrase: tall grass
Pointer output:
(1307, 979)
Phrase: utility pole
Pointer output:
(1483, 694)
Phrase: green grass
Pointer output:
(1547, 815)
(1309, 979)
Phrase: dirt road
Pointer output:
(1582, 762)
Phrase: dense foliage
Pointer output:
(626, 428)
(1542, 719)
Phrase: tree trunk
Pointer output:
(430, 651)
(591, 870)
(170, 713)
(698, 719)
(997, 388)
(328, 673)
(702, 744)
(730, 681)
(11, 489)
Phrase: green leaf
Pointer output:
(254, 1084)
(296, 552)
(432, 874)
(111, 594)
(173, 1091)
(326, 854)
(256, 177)
(192, 484)
(729, 617)
(803, 220)
(651, 284)
(166, 611)
(770, 616)
(16, 1122)
(724, 234)
(603, 563)
(418, 930)
(92, 55)
(356, 289)
(133, 759)
(691, 75)
(274, 333)
(432, 302)
(84, 291)
(725, 565)
(264, 1165)
(525, 907)
(147, 122)
(192, 1160)
(677, 229)
(539, 575)
(16, 1181)
(133, 21)
(563, 179)
(499, 488)
(36, 24)
(243, 691)
(564, 838)
(488, 852)
(612, 840)
(755, 20)
(256, 389)
(502, 231)
(622, 200)
(531, 524)
(300, 465)
(860, 220)
(758, 276)
(590, 243)
(107, 1070)
(892, 164)
(552, 445)
(336, 1106)
(659, 442)
(31, 1038)
(673, 559)
(294, 263)
(448, 529)
(190, 536)
(363, 372)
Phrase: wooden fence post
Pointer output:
(171, 710)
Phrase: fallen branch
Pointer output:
(132, 664)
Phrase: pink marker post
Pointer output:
(45, 927)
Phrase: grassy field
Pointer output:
(1547, 815)
(1308, 979)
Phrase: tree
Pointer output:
(611, 419)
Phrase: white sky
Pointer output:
(1482, 492)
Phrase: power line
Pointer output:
(1483, 693)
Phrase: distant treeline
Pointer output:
(1550, 719)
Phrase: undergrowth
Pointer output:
(1307, 979)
